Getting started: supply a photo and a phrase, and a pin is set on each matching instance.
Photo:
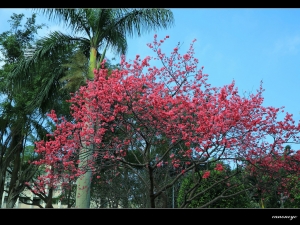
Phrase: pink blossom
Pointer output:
(206, 175)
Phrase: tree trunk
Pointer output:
(49, 200)
(163, 197)
(164, 200)
(93, 63)
(11, 202)
(125, 198)
(83, 192)
(13, 193)
(2, 184)
(3, 157)
(69, 205)
(151, 191)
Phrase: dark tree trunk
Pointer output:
(17, 147)
(125, 199)
(151, 191)
(49, 201)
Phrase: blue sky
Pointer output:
(247, 45)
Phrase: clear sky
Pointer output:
(247, 45)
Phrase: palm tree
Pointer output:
(108, 27)
(101, 28)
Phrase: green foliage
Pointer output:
(19, 37)
(77, 71)
(276, 199)
(213, 187)
(270, 194)
(21, 122)
(111, 25)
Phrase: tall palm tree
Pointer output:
(108, 26)
(100, 29)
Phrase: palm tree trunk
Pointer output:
(84, 182)
(13, 193)
(83, 188)
(93, 63)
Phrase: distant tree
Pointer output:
(22, 122)
(16, 123)
(224, 188)
(275, 178)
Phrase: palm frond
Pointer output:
(117, 40)
(84, 47)
(40, 130)
(112, 39)
(137, 21)
(50, 47)
(51, 53)
(72, 18)
(77, 72)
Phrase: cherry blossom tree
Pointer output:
(161, 123)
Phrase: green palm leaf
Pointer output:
(138, 21)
